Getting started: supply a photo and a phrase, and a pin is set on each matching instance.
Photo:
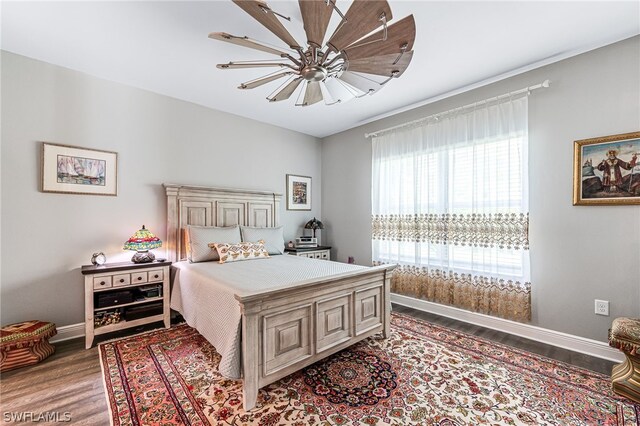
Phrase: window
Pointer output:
(461, 180)
(451, 195)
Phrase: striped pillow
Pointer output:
(240, 251)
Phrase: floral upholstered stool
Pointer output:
(625, 377)
(25, 343)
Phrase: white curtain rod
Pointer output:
(545, 84)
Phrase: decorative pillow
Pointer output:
(199, 238)
(240, 251)
(272, 237)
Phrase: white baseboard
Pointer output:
(67, 332)
(539, 334)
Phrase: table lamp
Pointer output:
(142, 241)
(314, 224)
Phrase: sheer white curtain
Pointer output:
(450, 205)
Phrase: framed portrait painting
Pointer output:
(298, 192)
(75, 170)
(607, 170)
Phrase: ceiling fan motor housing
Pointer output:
(314, 73)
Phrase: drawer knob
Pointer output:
(102, 283)
(121, 280)
(139, 278)
(156, 276)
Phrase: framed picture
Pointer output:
(75, 170)
(298, 192)
(606, 170)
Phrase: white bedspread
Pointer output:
(204, 294)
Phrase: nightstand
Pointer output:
(123, 295)
(320, 252)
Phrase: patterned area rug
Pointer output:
(423, 374)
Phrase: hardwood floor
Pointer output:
(560, 354)
(70, 380)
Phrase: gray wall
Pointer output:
(578, 253)
(47, 237)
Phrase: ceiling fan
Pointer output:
(354, 62)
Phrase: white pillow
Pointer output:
(200, 237)
(272, 237)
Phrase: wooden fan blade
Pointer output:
(263, 14)
(382, 65)
(246, 42)
(264, 80)
(361, 83)
(339, 91)
(238, 65)
(286, 91)
(362, 17)
(401, 33)
(313, 94)
(315, 15)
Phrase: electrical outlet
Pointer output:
(602, 307)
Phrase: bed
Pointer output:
(269, 317)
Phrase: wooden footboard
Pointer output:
(286, 330)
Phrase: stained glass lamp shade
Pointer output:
(142, 241)
(314, 224)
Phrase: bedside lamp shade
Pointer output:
(314, 224)
(142, 241)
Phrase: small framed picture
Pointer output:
(606, 170)
(75, 170)
(298, 192)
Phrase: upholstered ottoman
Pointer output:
(625, 377)
(25, 343)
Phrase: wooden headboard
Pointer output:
(204, 206)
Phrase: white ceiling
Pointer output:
(163, 47)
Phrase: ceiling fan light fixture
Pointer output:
(330, 70)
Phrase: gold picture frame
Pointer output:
(68, 169)
(606, 170)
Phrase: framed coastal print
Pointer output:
(76, 170)
(607, 170)
(298, 192)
